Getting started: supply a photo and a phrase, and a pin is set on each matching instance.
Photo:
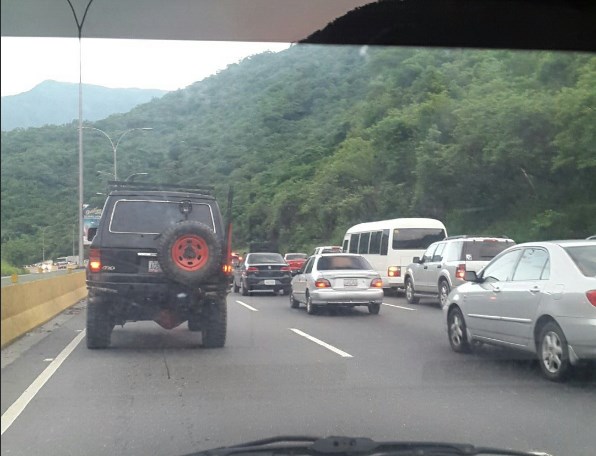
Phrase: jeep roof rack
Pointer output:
(127, 185)
(467, 236)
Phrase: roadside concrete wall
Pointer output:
(28, 305)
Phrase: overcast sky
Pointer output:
(166, 65)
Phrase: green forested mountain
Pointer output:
(315, 139)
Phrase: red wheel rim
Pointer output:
(190, 252)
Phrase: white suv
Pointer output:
(444, 263)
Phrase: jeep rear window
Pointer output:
(154, 217)
(483, 250)
(416, 238)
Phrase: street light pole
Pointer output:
(115, 146)
(43, 244)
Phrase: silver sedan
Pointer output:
(539, 297)
(340, 279)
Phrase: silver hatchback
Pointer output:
(341, 279)
(539, 297)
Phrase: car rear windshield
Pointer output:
(484, 250)
(154, 217)
(296, 256)
(328, 263)
(416, 238)
(585, 258)
(265, 258)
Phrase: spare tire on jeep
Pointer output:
(189, 252)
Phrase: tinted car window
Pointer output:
(265, 258)
(483, 250)
(531, 265)
(363, 246)
(502, 268)
(354, 243)
(153, 217)
(428, 255)
(375, 243)
(438, 254)
(327, 263)
(416, 238)
(585, 259)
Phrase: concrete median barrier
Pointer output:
(28, 305)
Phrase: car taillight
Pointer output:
(285, 269)
(394, 271)
(460, 272)
(323, 283)
(591, 297)
(227, 269)
(252, 269)
(376, 283)
(94, 260)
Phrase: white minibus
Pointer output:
(391, 245)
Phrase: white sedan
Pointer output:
(337, 279)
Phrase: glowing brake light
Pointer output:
(460, 271)
(394, 271)
(591, 297)
(376, 283)
(323, 283)
(94, 260)
(227, 269)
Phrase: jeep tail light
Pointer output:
(394, 271)
(460, 272)
(323, 283)
(94, 260)
(591, 297)
(376, 283)
(227, 269)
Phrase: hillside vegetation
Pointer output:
(316, 139)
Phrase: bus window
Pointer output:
(375, 243)
(363, 246)
(354, 243)
(385, 242)
(416, 238)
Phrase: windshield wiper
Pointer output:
(354, 446)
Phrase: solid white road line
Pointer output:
(247, 306)
(321, 343)
(399, 307)
(13, 412)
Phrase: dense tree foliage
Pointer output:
(316, 139)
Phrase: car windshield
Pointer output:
(328, 262)
(483, 250)
(257, 258)
(296, 256)
(585, 258)
(180, 328)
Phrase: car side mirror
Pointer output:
(470, 276)
(417, 260)
(91, 232)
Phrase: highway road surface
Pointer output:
(282, 371)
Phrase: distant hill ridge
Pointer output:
(57, 103)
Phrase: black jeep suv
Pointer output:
(159, 253)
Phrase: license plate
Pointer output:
(154, 266)
(269, 282)
(350, 282)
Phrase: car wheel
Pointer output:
(311, 309)
(99, 324)
(243, 289)
(294, 303)
(456, 328)
(374, 308)
(215, 323)
(410, 292)
(285, 291)
(189, 252)
(236, 287)
(444, 290)
(553, 352)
